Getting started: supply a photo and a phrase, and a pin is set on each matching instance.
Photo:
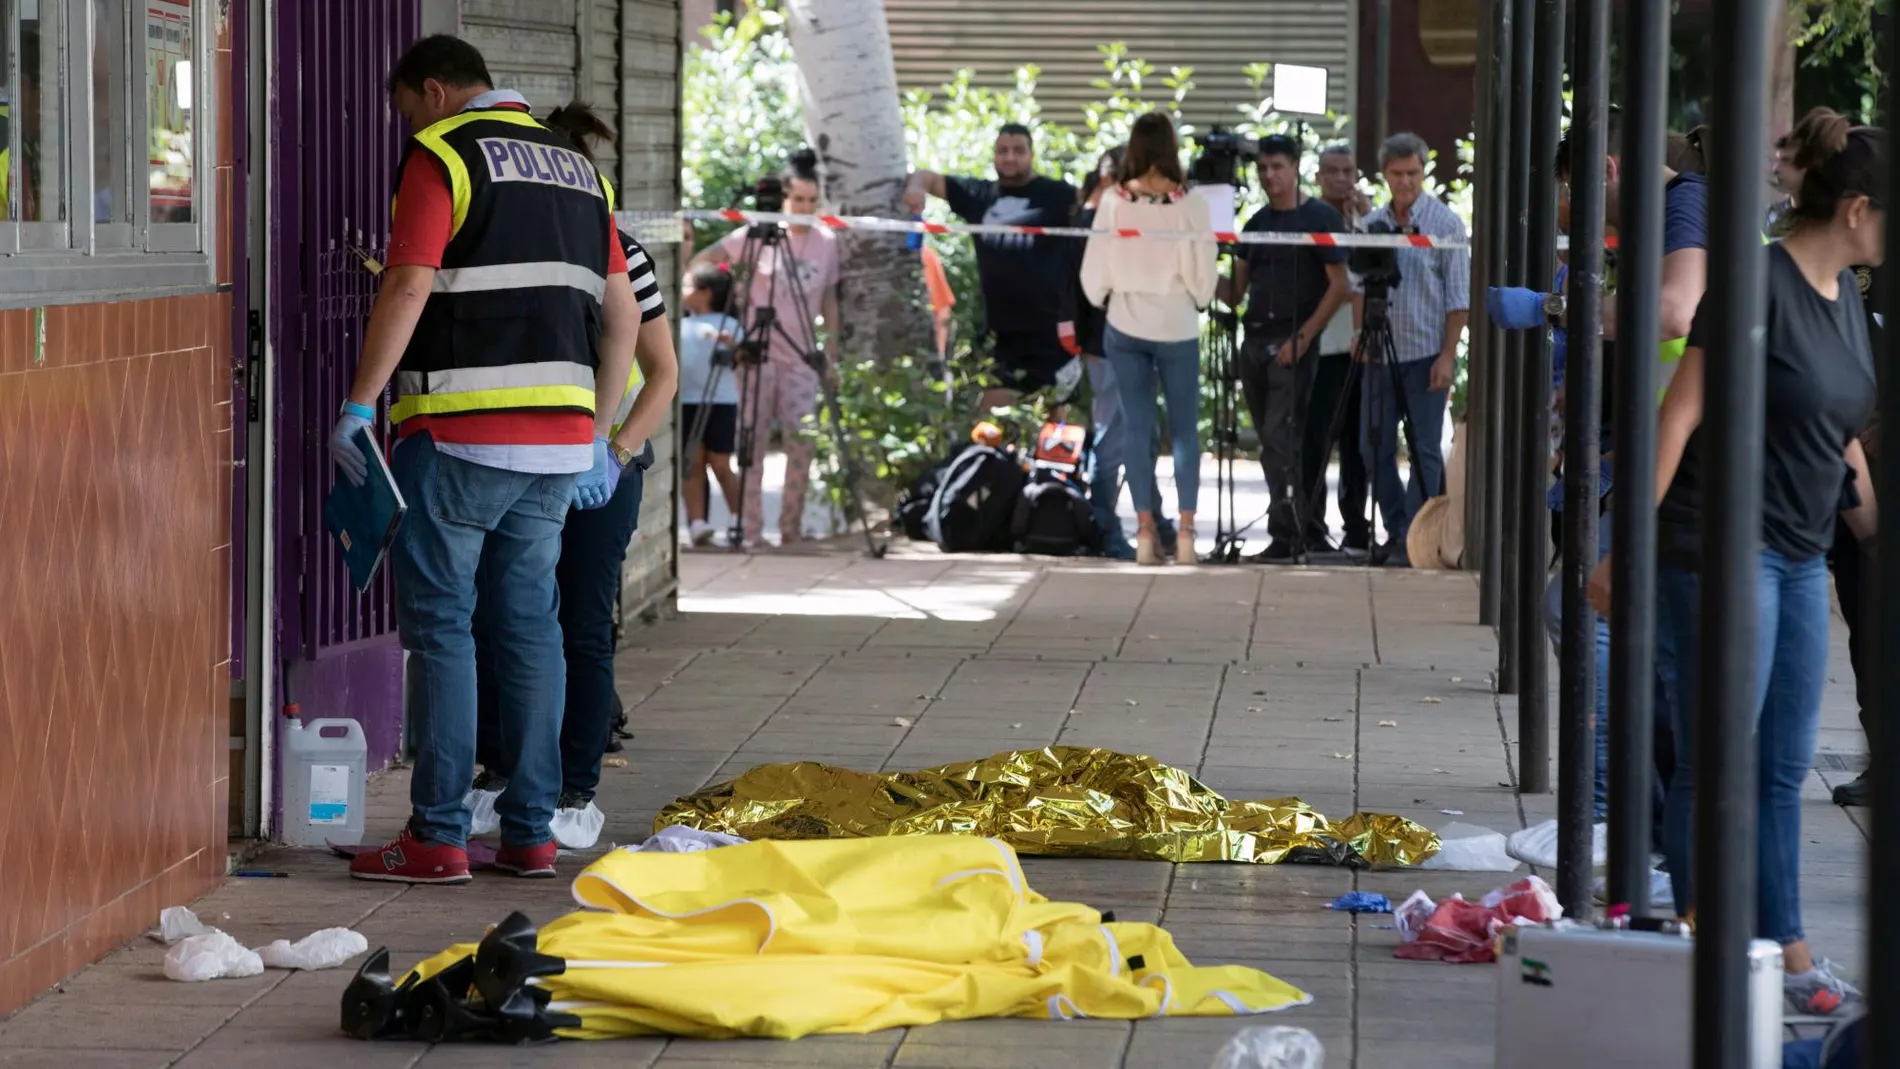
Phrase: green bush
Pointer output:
(741, 119)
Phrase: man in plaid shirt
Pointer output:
(1427, 313)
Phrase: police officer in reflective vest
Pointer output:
(508, 324)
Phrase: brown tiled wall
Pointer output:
(114, 628)
(115, 591)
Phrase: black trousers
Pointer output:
(1276, 401)
(1330, 373)
(1850, 585)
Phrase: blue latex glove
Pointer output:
(596, 486)
(1514, 307)
(343, 448)
(1362, 902)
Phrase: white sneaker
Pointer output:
(701, 532)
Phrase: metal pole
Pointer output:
(1633, 426)
(1493, 172)
(1533, 518)
(1517, 184)
(1382, 70)
(1731, 481)
(1583, 406)
(1883, 925)
(1478, 352)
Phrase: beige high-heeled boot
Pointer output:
(1147, 545)
(1184, 543)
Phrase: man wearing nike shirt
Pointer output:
(1025, 277)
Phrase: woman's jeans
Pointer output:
(1137, 363)
(593, 551)
(1105, 480)
(1791, 662)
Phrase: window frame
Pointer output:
(80, 260)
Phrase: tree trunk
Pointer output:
(1781, 75)
(852, 112)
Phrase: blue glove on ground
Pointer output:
(1514, 307)
(343, 448)
(596, 486)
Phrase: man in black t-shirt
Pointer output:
(1025, 278)
(1291, 293)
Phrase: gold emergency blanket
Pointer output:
(786, 939)
(1061, 801)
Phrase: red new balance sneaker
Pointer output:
(533, 862)
(410, 860)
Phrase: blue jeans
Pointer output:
(464, 518)
(1105, 481)
(1379, 425)
(593, 552)
(1791, 668)
(1554, 625)
(1137, 363)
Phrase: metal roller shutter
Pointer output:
(932, 39)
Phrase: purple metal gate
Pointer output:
(337, 143)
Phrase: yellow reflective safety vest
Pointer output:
(857, 935)
(513, 321)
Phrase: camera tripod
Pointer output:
(1222, 353)
(1375, 346)
(749, 358)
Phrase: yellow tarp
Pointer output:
(785, 939)
(1062, 801)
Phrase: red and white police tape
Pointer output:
(663, 226)
(905, 226)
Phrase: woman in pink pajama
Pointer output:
(785, 389)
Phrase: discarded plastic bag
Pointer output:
(1660, 889)
(1464, 932)
(1411, 916)
(1470, 848)
(482, 819)
(1537, 845)
(578, 829)
(324, 949)
(1272, 1047)
(212, 956)
(680, 839)
(176, 923)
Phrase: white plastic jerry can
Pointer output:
(325, 763)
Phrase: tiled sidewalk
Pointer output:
(1266, 682)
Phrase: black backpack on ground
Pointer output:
(1053, 517)
(975, 502)
(914, 504)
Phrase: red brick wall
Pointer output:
(115, 503)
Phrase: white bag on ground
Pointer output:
(1537, 845)
(481, 812)
(1413, 913)
(325, 949)
(1470, 848)
(179, 922)
(679, 839)
(212, 956)
(578, 829)
(1272, 1047)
